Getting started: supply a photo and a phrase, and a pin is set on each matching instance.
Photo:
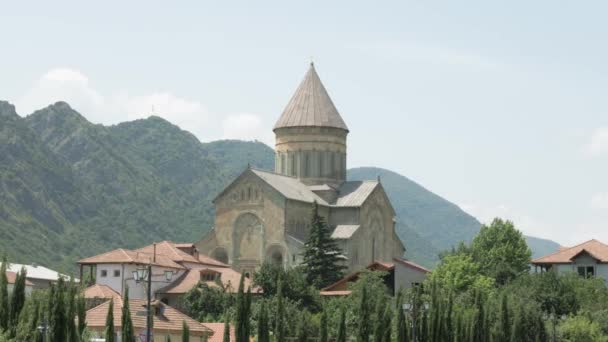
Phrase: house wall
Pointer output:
(158, 336)
(405, 276)
(136, 290)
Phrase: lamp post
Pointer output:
(144, 274)
(414, 308)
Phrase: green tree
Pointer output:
(322, 264)
(341, 336)
(364, 321)
(17, 299)
(109, 334)
(4, 307)
(185, 332)
(459, 273)
(580, 328)
(388, 317)
(402, 331)
(243, 306)
(58, 319)
(323, 327)
(501, 251)
(503, 327)
(279, 326)
(263, 333)
(379, 322)
(303, 328)
(127, 331)
(81, 312)
(226, 337)
(71, 328)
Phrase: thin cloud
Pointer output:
(598, 143)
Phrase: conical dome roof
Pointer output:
(311, 106)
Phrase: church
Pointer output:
(264, 216)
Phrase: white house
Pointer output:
(588, 259)
(39, 276)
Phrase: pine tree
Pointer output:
(246, 322)
(402, 333)
(424, 328)
(127, 332)
(380, 320)
(226, 337)
(541, 330)
(323, 327)
(263, 334)
(17, 300)
(342, 327)
(109, 323)
(322, 263)
(4, 308)
(279, 331)
(364, 318)
(480, 319)
(185, 332)
(518, 332)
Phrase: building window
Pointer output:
(117, 273)
(104, 273)
(586, 271)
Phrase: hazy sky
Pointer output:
(498, 107)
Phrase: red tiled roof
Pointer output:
(170, 321)
(374, 266)
(100, 291)
(125, 256)
(594, 248)
(337, 293)
(12, 277)
(230, 280)
(170, 250)
(411, 264)
(218, 332)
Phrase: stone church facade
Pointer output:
(264, 216)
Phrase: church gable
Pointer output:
(247, 189)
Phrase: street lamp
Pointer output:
(413, 308)
(144, 274)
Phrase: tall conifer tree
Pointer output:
(81, 312)
(323, 327)
(503, 328)
(127, 331)
(57, 310)
(185, 332)
(279, 326)
(322, 263)
(402, 331)
(364, 318)
(263, 334)
(110, 322)
(226, 337)
(342, 326)
(17, 300)
(4, 308)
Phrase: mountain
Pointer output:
(70, 188)
(423, 216)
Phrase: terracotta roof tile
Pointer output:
(229, 278)
(218, 332)
(170, 250)
(335, 293)
(170, 321)
(100, 291)
(125, 256)
(595, 248)
(12, 277)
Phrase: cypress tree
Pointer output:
(247, 313)
(168, 338)
(323, 327)
(541, 330)
(380, 320)
(479, 329)
(241, 304)
(518, 332)
(503, 329)
(342, 326)
(388, 317)
(81, 309)
(302, 328)
(185, 332)
(226, 337)
(4, 308)
(109, 323)
(57, 315)
(17, 300)
(71, 329)
(424, 328)
(280, 315)
(127, 332)
(322, 263)
(364, 318)
(402, 333)
(449, 329)
(263, 335)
